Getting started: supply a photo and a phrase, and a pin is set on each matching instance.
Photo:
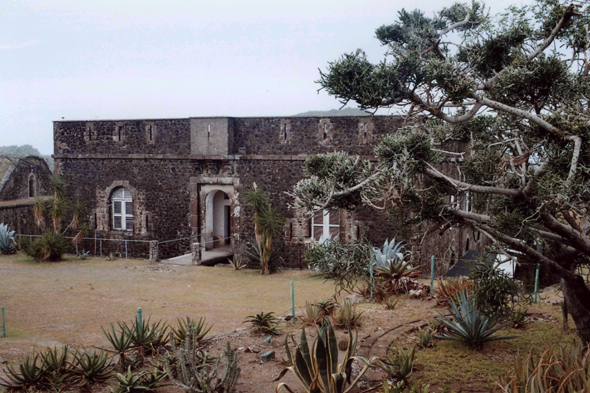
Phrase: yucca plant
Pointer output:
(237, 263)
(317, 368)
(470, 325)
(92, 368)
(391, 302)
(56, 361)
(7, 240)
(263, 322)
(199, 327)
(29, 373)
(348, 316)
(398, 363)
(120, 340)
(146, 335)
(312, 314)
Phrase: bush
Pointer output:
(7, 241)
(495, 291)
(342, 262)
(48, 247)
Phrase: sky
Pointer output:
(128, 59)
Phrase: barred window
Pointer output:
(325, 225)
(122, 209)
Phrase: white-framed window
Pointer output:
(325, 225)
(468, 206)
(122, 209)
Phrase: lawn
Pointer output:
(68, 302)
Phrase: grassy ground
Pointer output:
(67, 302)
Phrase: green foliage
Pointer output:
(268, 224)
(557, 369)
(470, 326)
(317, 368)
(425, 337)
(7, 240)
(91, 368)
(237, 263)
(398, 363)
(199, 327)
(344, 263)
(120, 340)
(348, 316)
(146, 336)
(403, 387)
(450, 288)
(49, 247)
(263, 322)
(28, 375)
(391, 303)
(326, 307)
(194, 371)
(142, 381)
(495, 291)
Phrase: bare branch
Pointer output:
(574, 164)
(433, 172)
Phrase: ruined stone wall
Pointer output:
(28, 171)
(19, 218)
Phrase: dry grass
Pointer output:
(67, 302)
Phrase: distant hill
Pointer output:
(335, 112)
(23, 151)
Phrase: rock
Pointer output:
(416, 294)
(267, 340)
(267, 356)
(3, 361)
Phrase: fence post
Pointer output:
(139, 317)
(372, 278)
(126, 250)
(537, 282)
(196, 251)
(3, 324)
(432, 274)
(154, 252)
(101, 248)
(292, 301)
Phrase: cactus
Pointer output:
(7, 241)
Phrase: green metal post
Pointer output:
(139, 319)
(3, 324)
(372, 279)
(292, 301)
(537, 282)
(432, 274)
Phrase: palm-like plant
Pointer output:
(92, 368)
(470, 325)
(145, 335)
(263, 322)
(268, 223)
(120, 341)
(29, 374)
(317, 368)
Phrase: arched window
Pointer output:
(32, 186)
(122, 209)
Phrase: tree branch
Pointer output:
(433, 172)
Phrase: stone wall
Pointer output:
(25, 173)
(19, 218)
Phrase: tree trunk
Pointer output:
(577, 296)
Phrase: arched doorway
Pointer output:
(217, 219)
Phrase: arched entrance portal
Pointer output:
(217, 219)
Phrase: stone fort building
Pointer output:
(165, 179)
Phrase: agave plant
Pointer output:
(142, 381)
(92, 368)
(470, 325)
(425, 338)
(199, 327)
(391, 251)
(312, 314)
(56, 362)
(29, 373)
(263, 322)
(120, 341)
(7, 241)
(348, 315)
(398, 364)
(317, 368)
(145, 335)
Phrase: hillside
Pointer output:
(25, 150)
(335, 112)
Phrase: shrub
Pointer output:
(317, 368)
(48, 247)
(91, 368)
(344, 263)
(312, 315)
(495, 291)
(470, 325)
(263, 322)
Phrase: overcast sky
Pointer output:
(123, 59)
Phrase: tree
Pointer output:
(507, 97)
(268, 224)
